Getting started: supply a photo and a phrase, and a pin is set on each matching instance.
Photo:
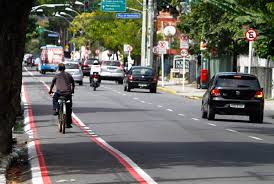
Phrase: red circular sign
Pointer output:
(184, 52)
(251, 34)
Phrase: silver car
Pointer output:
(75, 70)
(112, 70)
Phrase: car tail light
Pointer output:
(259, 94)
(130, 77)
(215, 92)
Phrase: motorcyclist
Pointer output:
(95, 67)
(64, 87)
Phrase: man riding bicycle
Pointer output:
(64, 87)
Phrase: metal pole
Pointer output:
(163, 69)
(250, 56)
(184, 71)
(150, 31)
(143, 46)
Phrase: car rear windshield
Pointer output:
(238, 81)
(142, 71)
(111, 63)
(71, 66)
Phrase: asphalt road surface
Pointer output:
(140, 137)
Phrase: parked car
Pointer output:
(75, 70)
(231, 93)
(112, 70)
(86, 66)
(141, 77)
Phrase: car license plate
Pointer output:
(237, 106)
(142, 85)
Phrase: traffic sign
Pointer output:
(184, 52)
(128, 15)
(162, 47)
(113, 5)
(184, 42)
(251, 34)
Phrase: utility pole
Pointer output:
(143, 46)
(150, 32)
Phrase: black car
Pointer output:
(231, 93)
(141, 77)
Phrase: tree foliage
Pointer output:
(223, 23)
(104, 29)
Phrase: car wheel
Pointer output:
(153, 90)
(128, 89)
(256, 118)
(81, 83)
(120, 82)
(204, 113)
(125, 88)
(210, 113)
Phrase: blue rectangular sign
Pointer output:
(128, 15)
(53, 35)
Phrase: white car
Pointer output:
(112, 70)
(75, 70)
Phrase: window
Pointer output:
(238, 82)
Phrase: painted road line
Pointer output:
(149, 103)
(38, 167)
(170, 110)
(181, 115)
(135, 98)
(142, 101)
(159, 106)
(136, 172)
(131, 166)
(232, 130)
(256, 138)
(124, 94)
(211, 124)
(195, 119)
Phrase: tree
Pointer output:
(106, 30)
(12, 41)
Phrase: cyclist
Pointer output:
(64, 87)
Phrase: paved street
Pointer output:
(140, 137)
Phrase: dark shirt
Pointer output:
(64, 83)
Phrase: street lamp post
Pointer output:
(143, 44)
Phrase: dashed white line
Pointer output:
(232, 130)
(181, 115)
(149, 103)
(211, 124)
(195, 119)
(142, 101)
(256, 138)
(135, 98)
(124, 94)
(159, 106)
(170, 110)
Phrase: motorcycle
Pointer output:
(94, 80)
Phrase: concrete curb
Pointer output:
(171, 91)
(7, 161)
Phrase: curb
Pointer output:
(7, 161)
(171, 91)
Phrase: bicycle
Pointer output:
(62, 115)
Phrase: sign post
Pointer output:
(184, 54)
(251, 36)
(162, 49)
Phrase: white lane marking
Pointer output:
(211, 124)
(142, 101)
(135, 98)
(133, 168)
(117, 154)
(159, 106)
(124, 94)
(181, 115)
(195, 119)
(256, 138)
(149, 103)
(170, 110)
(119, 92)
(232, 130)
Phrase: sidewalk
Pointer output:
(190, 91)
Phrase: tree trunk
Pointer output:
(13, 21)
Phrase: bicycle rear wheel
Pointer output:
(63, 125)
